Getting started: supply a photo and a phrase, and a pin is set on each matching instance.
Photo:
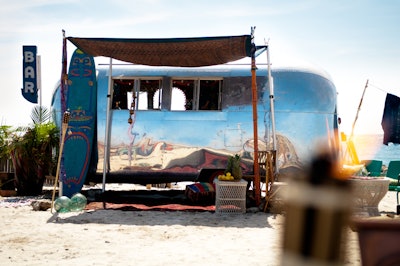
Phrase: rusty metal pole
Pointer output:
(256, 180)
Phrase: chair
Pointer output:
(267, 163)
(374, 167)
(393, 172)
(267, 166)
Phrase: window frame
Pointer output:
(197, 91)
(165, 95)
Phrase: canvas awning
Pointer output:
(178, 52)
(183, 52)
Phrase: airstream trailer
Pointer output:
(171, 124)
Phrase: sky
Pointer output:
(353, 41)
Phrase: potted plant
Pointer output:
(7, 186)
(32, 152)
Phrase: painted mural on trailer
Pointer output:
(183, 120)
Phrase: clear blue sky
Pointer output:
(351, 40)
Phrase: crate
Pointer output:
(230, 196)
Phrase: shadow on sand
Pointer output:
(152, 208)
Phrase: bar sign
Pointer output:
(30, 86)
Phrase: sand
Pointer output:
(113, 237)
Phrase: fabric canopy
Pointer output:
(184, 52)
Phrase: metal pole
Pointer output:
(256, 180)
(107, 129)
(39, 78)
(64, 75)
(272, 105)
(271, 99)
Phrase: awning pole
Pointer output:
(63, 89)
(271, 103)
(256, 180)
(107, 130)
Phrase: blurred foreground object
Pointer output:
(318, 208)
(379, 241)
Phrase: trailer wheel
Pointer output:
(209, 175)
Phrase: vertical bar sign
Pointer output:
(30, 86)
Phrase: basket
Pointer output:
(230, 197)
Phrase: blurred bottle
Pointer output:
(318, 209)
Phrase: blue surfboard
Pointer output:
(81, 102)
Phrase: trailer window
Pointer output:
(195, 94)
(182, 95)
(120, 93)
(209, 94)
(147, 94)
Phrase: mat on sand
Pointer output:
(172, 200)
(143, 207)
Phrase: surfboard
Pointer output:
(81, 103)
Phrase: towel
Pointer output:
(391, 120)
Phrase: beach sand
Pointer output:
(114, 237)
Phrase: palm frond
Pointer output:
(40, 114)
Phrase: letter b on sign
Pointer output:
(29, 56)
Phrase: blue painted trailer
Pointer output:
(171, 124)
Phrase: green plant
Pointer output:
(6, 177)
(234, 167)
(32, 152)
(5, 135)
